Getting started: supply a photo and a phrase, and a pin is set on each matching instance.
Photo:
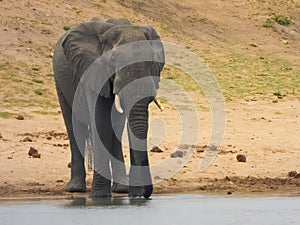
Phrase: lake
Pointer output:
(169, 210)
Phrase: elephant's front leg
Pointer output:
(102, 137)
(120, 179)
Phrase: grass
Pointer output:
(37, 81)
(268, 23)
(244, 75)
(45, 31)
(23, 85)
(282, 20)
(277, 93)
(66, 28)
(6, 115)
(195, 19)
(180, 78)
(44, 113)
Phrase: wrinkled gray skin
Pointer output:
(74, 53)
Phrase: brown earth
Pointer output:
(251, 63)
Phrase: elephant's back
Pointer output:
(66, 81)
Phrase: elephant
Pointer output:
(122, 64)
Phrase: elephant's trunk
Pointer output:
(138, 119)
(137, 133)
(138, 130)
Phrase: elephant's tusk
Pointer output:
(159, 105)
(118, 104)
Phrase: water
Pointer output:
(169, 210)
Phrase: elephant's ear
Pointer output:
(82, 46)
(158, 49)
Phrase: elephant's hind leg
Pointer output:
(77, 182)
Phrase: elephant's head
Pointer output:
(134, 56)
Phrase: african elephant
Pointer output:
(124, 62)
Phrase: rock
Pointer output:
(177, 154)
(27, 139)
(297, 176)
(20, 117)
(34, 153)
(156, 149)
(241, 158)
(292, 174)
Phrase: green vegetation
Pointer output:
(268, 23)
(66, 28)
(277, 93)
(195, 19)
(282, 20)
(180, 78)
(244, 75)
(40, 112)
(6, 115)
(37, 81)
(45, 31)
(40, 91)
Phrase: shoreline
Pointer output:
(241, 187)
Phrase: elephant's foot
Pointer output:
(101, 187)
(100, 194)
(120, 188)
(76, 185)
(140, 191)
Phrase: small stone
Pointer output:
(297, 176)
(292, 174)
(69, 165)
(20, 117)
(10, 157)
(229, 193)
(27, 139)
(156, 149)
(49, 138)
(34, 153)
(59, 181)
(241, 158)
(177, 154)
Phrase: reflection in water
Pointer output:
(108, 202)
(173, 209)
